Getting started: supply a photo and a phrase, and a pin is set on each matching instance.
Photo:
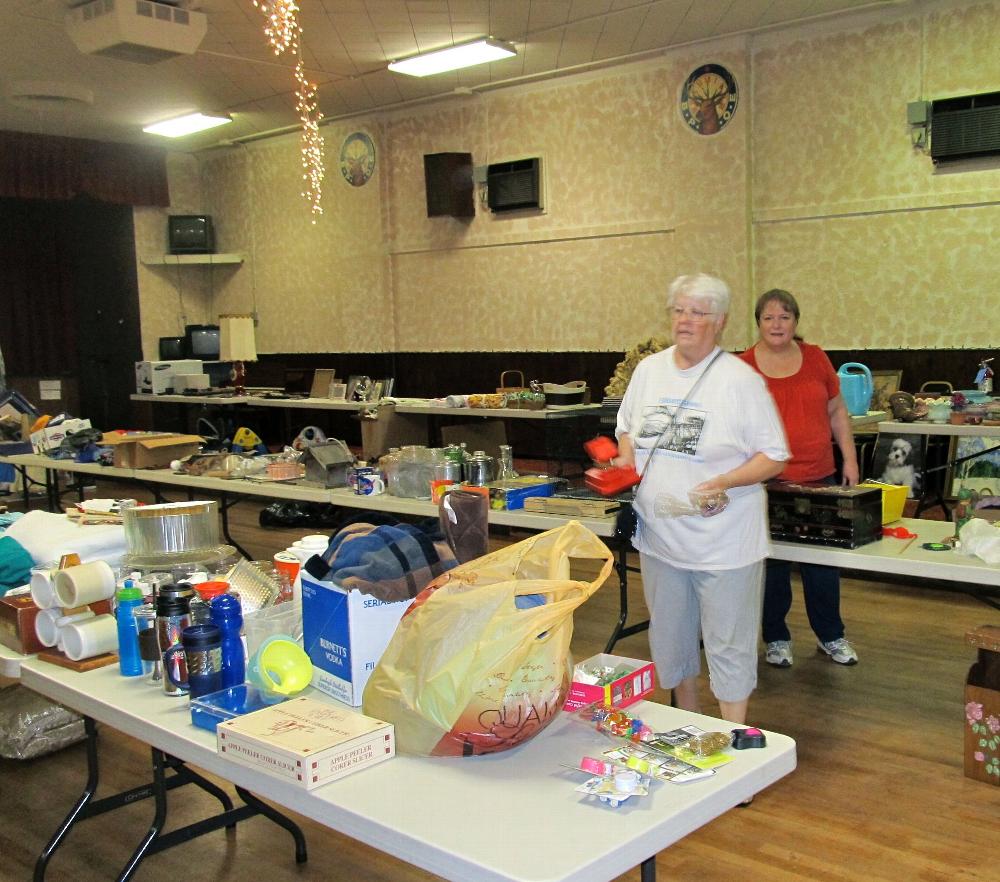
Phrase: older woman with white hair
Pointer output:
(701, 428)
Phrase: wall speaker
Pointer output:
(448, 180)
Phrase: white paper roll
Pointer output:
(84, 584)
(43, 592)
(89, 637)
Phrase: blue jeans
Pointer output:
(821, 589)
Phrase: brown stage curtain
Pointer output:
(48, 167)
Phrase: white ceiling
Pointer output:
(346, 46)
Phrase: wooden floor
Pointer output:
(879, 793)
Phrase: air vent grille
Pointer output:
(966, 127)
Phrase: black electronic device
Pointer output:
(190, 234)
(172, 348)
(201, 341)
(746, 739)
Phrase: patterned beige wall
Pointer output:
(883, 249)
(169, 296)
(813, 186)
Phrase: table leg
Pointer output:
(155, 839)
(78, 812)
(623, 569)
(225, 503)
(647, 870)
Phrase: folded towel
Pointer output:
(15, 565)
(47, 537)
(390, 562)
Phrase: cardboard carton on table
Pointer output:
(149, 450)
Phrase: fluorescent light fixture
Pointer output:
(186, 125)
(454, 57)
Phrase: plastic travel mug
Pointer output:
(84, 584)
(202, 649)
(85, 638)
(172, 617)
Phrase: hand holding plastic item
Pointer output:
(699, 503)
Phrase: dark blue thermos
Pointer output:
(227, 616)
(201, 645)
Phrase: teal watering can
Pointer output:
(856, 388)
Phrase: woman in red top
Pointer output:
(807, 393)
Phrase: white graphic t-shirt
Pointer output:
(682, 439)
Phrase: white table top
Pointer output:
(10, 662)
(925, 427)
(509, 817)
(902, 557)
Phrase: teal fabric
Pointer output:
(15, 565)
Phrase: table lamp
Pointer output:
(237, 345)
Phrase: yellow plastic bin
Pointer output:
(893, 499)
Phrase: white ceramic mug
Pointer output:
(84, 584)
(88, 637)
(43, 592)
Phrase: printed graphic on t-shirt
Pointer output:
(680, 428)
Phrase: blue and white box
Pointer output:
(345, 633)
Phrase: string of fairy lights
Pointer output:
(283, 32)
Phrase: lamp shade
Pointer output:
(236, 341)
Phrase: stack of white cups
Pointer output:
(61, 622)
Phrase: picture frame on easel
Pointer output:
(884, 383)
(980, 474)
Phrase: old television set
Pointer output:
(201, 341)
(172, 348)
(190, 234)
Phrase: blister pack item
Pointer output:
(698, 504)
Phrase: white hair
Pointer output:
(701, 287)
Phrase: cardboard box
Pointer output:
(157, 377)
(345, 634)
(17, 621)
(51, 437)
(391, 429)
(626, 690)
(306, 741)
(149, 450)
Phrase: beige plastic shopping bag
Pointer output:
(480, 662)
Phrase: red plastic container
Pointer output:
(608, 482)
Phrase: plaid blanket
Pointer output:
(390, 562)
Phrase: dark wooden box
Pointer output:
(824, 514)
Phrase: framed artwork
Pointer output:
(358, 387)
(981, 474)
(899, 460)
(375, 390)
(884, 383)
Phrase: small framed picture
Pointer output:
(899, 460)
(357, 387)
(981, 472)
(374, 391)
(884, 383)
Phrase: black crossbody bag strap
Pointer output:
(626, 522)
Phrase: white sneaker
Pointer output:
(779, 653)
(840, 651)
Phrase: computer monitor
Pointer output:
(202, 341)
(172, 348)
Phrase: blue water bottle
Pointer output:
(129, 660)
(227, 616)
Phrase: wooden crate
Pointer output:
(982, 707)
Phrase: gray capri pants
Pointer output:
(726, 604)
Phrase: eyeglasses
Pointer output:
(696, 315)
